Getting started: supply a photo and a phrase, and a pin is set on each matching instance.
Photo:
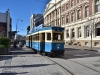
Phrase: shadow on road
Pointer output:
(26, 66)
(13, 73)
(71, 53)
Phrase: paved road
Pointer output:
(72, 53)
(24, 61)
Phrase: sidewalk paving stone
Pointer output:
(26, 62)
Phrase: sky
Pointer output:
(22, 9)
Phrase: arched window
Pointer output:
(72, 2)
(72, 17)
(97, 5)
(78, 14)
(79, 32)
(86, 11)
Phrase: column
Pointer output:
(83, 32)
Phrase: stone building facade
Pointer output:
(80, 18)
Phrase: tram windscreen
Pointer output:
(57, 37)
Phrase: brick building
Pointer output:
(5, 24)
(81, 19)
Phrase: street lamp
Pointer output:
(16, 26)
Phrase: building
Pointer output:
(28, 29)
(81, 19)
(35, 20)
(5, 24)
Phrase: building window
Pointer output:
(86, 11)
(57, 11)
(58, 22)
(97, 30)
(86, 43)
(72, 17)
(73, 33)
(62, 20)
(66, 6)
(53, 15)
(87, 31)
(78, 14)
(96, 44)
(62, 8)
(67, 33)
(97, 6)
(78, 1)
(79, 32)
(66, 18)
(72, 2)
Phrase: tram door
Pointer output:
(31, 41)
(43, 42)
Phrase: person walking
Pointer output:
(14, 44)
(20, 43)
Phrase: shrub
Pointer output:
(2, 46)
(5, 42)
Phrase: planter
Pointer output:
(4, 50)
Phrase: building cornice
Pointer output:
(52, 6)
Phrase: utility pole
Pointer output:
(16, 26)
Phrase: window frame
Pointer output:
(72, 3)
(78, 14)
(79, 32)
(72, 17)
(86, 11)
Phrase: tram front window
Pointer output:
(57, 36)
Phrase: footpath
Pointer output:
(97, 49)
(24, 61)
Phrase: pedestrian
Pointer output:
(20, 43)
(14, 44)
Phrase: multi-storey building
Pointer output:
(81, 19)
(35, 20)
(5, 24)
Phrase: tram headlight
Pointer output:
(58, 47)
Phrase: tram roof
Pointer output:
(49, 28)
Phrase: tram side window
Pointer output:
(37, 37)
(43, 36)
(32, 37)
(48, 36)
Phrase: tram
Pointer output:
(47, 40)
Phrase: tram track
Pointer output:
(68, 71)
(83, 65)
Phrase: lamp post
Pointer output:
(16, 26)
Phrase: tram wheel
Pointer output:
(53, 55)
(38, 52)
